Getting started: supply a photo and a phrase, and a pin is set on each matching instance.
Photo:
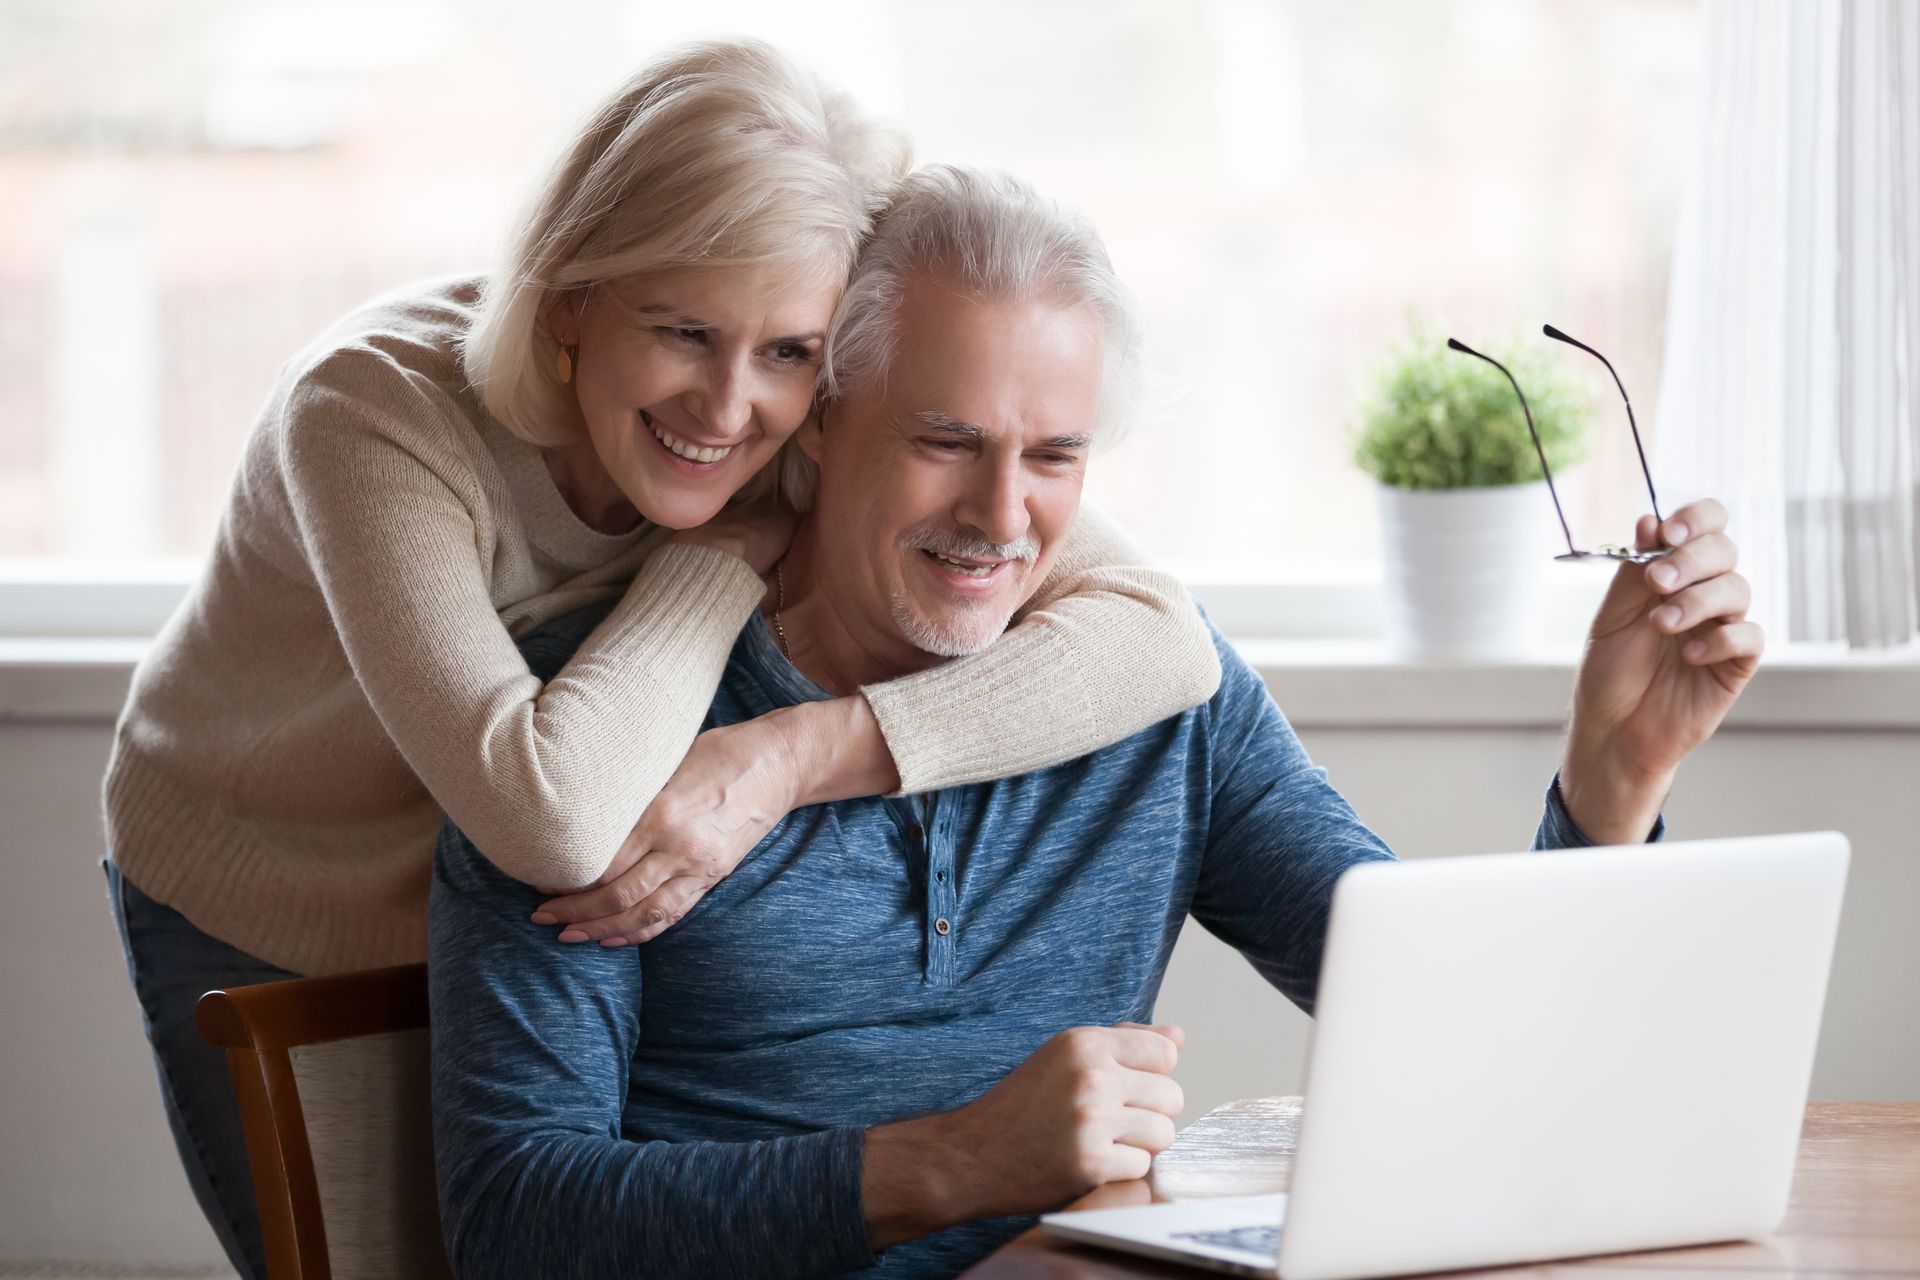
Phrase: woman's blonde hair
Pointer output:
(721, 153)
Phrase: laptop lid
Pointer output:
(1519, 1057)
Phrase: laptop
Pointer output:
(1525, 1057)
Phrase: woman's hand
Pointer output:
(735, 784)
(758, 534)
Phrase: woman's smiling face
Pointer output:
(689, 382)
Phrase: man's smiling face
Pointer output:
(946, 489)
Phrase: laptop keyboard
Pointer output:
(1264, 1240)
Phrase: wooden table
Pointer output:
(1855, 1208)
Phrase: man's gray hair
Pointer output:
(999, 239)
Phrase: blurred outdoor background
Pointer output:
(190, 191)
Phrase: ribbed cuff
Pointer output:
(1006, 711)
(845, 1212)
(687, 604)
(1558, 830)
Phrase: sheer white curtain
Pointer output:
(1793, 321)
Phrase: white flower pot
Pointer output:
(1463, 569)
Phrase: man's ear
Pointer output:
(560, 315)
(811, 435)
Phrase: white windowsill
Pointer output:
(71, 635)
(1321, 682)
(1351, 683)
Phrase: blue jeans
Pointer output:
(172, 963)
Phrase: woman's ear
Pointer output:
(560, 316)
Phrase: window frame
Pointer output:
(91, 600)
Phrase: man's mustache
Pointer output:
(965, 546)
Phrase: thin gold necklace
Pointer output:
(779, 603)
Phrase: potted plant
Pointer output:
(1466, 523)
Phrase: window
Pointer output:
(195, 190)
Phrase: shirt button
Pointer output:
(916, 832)
(941, 927)
(941, 876)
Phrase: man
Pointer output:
(904, 1024)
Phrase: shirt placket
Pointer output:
(942, 917)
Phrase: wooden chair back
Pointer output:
(331, 1076)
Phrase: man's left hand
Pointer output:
(1669, 651)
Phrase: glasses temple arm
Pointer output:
(1625, 399)
(1538, 448)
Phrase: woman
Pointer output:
(456, 464)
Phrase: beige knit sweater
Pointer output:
(345, 671)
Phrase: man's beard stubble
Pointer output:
(976, 626)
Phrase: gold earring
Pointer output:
(563, 363)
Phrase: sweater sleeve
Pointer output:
(532, 1051)
(1107, 646)
(548, 779)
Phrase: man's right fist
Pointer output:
(1091, 1105)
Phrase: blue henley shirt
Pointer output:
(695, 1106)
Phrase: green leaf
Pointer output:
(1440, 419)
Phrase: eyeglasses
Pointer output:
(1606, 551)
